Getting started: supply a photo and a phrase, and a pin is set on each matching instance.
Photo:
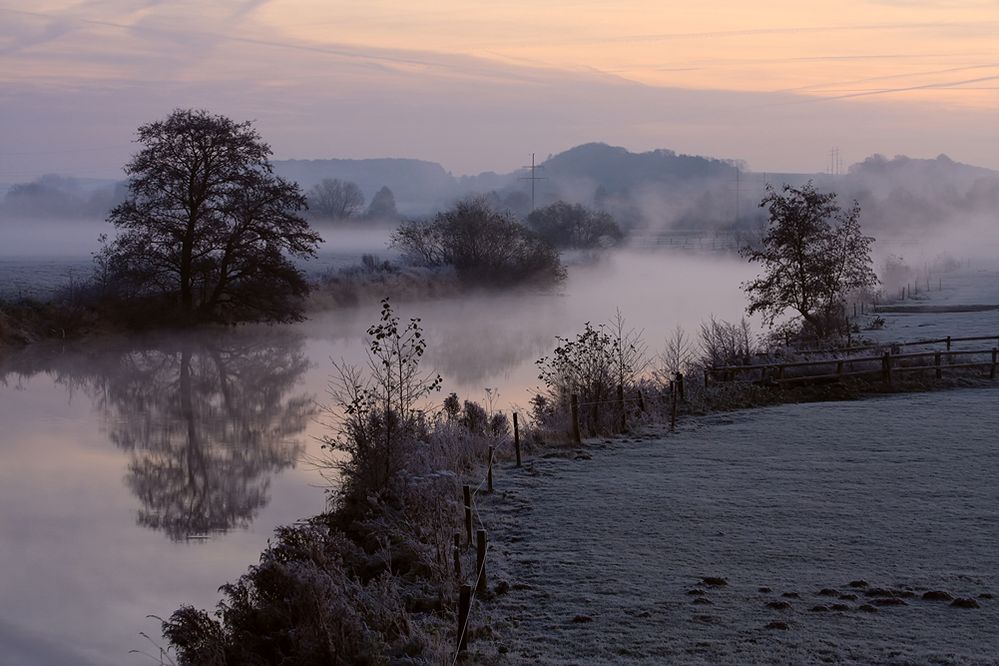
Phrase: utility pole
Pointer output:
(835, 163)
(533, 178)
(737, 187)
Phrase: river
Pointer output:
(139, 473)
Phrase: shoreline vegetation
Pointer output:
(373, 580)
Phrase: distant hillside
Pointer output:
(906, 194)
(658, 189)
(877, 172)
(616, 168)
(420, 186)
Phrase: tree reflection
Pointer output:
(206, 418)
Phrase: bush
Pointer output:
(370, 582)
(566, 225)
(592, 366)
(724, 343)
(484, 246)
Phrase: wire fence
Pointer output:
(473, 517)
(465, 613)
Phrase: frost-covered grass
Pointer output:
(967, 287)
(603, 549)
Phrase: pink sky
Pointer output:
(481, 85)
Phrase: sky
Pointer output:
(481, 85)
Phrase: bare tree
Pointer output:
(376, 410)
(676, 357)
(335, 199)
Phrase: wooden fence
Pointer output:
(885, 365)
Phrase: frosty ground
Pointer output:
(900, 492)
(606, 549)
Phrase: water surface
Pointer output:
(138, 473)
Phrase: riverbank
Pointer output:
(785, 533)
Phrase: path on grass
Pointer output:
(901, 492)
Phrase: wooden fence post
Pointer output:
(887, 368)
(457, 556)
(672, 420)
(574, 408)
(839, 368)
(480, 561)
(620, 405)
(464, 604)
(516, 437)
(992, 372)
(936, 362)
(948, 343)
(489, 475)
(467, 496)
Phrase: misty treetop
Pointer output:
(207, 228)
(813, 255)
(335, 199)
(483, 245)
(568, 225)
(382, 206)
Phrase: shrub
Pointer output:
(724, 343)
(484, 246)
(371, 581)
(567, 225)
(592, 366)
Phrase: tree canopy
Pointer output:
(813, 254)
(335, 199)
(482, 244)
(574, 226)
(207, 226)
(382, 206)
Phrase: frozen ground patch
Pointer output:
(959, 290)
(899, 492)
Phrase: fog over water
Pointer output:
(115, 451)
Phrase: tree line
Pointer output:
(209, 233)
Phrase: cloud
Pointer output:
(97, 82)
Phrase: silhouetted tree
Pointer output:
(335, 199)
(574, 226)
(207, 225)
(482, 244)
(382, 206)
(813, 254)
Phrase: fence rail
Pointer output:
(948, 341)
(846, 366)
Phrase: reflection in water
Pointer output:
(206, 419)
